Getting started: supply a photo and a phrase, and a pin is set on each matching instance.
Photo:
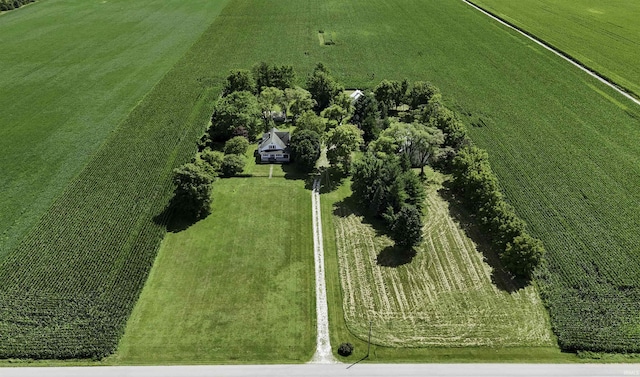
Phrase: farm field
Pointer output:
(71, 72)
(602, 35)
(444, 296)
(564, 146)
(236, 287)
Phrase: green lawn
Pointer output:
(602, 35)
(71, 72)
(236, 287)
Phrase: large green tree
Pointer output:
(305, 146)
(342, 141)
(238, 109)
(239, 80)
(298, 100)
(407, 227)
(323, 87)
(192, 195)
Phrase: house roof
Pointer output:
(356, 95)
(276, 137)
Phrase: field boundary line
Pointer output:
(323, 354)
(556, 51)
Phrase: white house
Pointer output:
(274, 146)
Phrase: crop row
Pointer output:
(68, 288)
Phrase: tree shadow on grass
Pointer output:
(173, 220)
(394, 256)
(293, 172)
(332, 178)
(469, 224)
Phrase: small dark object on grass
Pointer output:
(345, 349)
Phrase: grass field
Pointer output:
(236, 287)
(445, 295)
(564, 146)
(602, 35)
(71, 72)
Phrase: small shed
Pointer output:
(356, 95)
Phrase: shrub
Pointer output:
(236, 145)
(345, 349)
(232, 164)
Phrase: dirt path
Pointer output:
(323, 353)
(546, 46)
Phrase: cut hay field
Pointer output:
(71, 72)
(447, 295)
(602, 35)
(236, 287)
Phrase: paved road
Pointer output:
(321, 370)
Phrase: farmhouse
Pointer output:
(274, 146)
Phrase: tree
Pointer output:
(341, 142)
(335, 115)
(236, 145)
(422, 93)
(299, 100)
(425, 145)
(366, 115)
(239, 80)
(387, 92)
(238, 109)
(305, 147)
(523, 255)
(269, 98)
(266, 75)
(213, 159)
(232, 164)
(323, 87)
(192, 195)
(310, 121)
(407, 228)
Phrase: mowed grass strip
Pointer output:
(602, 35)
(447, 295)
(236, 287)
(71, 72)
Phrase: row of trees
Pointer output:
(193, 180)
(13, 4)
(477, 186)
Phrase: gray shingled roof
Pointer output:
(279, 138)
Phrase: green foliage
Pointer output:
(342, 141)
(236, 145)
(305, 146)
(345, 349)
(366, 115)
(406, 230)
(323, 87)
(193, 189)
(478, 186)
(422, 93)
(238, 109)
(266, 75)
(308, 120)
(213, 158)
(232, 164)
(269, 98)
(299, 100)
(239, 80)
(335, 115)
(523, 255)
(389, 93)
